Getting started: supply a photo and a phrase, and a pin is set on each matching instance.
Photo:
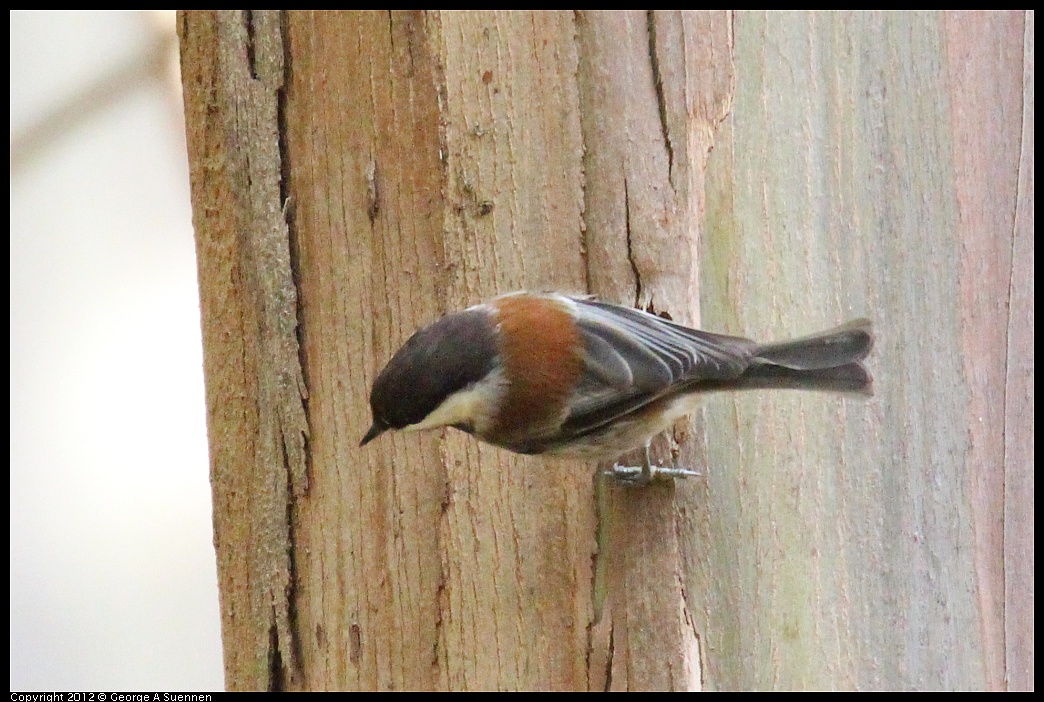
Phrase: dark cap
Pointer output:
(449, 355)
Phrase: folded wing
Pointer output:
(633, 358)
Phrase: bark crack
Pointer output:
(661, 99)
(249, 44)
(253, 56)
(630, 247)
(1020, 183)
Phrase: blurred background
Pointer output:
(113, 583)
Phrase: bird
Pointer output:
(571, 376)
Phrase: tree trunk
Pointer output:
(357, 174)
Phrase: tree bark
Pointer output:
(357, 174)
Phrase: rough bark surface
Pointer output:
(357, 174)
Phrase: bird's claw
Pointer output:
(637, 476)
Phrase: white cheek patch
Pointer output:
(470, 406)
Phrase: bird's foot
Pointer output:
(638, 476)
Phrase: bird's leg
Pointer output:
(638, 476)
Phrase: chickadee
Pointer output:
(575, 377)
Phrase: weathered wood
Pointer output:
(778, 173)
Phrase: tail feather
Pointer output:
(848, 378)
(849, 343)
(830, 361)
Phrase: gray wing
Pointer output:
(633, 358)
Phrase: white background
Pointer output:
(113, 583)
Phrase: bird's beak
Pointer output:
(376, 430)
